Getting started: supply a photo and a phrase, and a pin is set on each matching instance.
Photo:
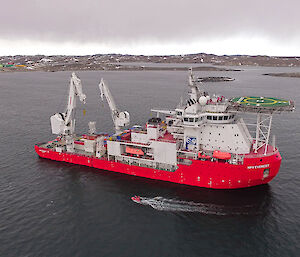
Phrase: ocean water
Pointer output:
(49, 208)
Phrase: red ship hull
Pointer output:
(201, 173)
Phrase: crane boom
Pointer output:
(120, 119)
(64, 123)
(75, 90)
(104, 91)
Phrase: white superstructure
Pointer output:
(202, 125)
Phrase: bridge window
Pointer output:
(220, 117)
(225, 117)
(209, 117)
(215, 117)
(191, 119)
(186, 119)
(196, 119)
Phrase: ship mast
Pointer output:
(194, 88)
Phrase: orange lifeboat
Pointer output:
(222, 155)
(132, 150)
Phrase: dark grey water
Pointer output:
(56, 209)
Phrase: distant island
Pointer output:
(206, 62)
(214, 79)
(285, 74)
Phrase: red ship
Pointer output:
(203, 142)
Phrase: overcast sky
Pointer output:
(269, 27)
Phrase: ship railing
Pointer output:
(184, 161)
(176, 126)
(217, 103)
(148, 158)
(187, 154)
(256, 155)
(140, 132)
(132, 143)
(236, 159)
(145, 163)
(164, 140)
(131, 159)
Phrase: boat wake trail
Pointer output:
(164, 204)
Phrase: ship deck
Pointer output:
(261, 152)
(183, 154)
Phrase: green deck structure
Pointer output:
(260, 104)
(260, 101)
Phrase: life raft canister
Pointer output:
(221, 155)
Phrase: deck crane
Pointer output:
(64, 123)
(120, 119)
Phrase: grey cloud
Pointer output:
(162, 20)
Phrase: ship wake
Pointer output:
(165, 204)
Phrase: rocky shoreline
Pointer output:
(286, 74)
(214, 79)
(136, 68)
(206, 62)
